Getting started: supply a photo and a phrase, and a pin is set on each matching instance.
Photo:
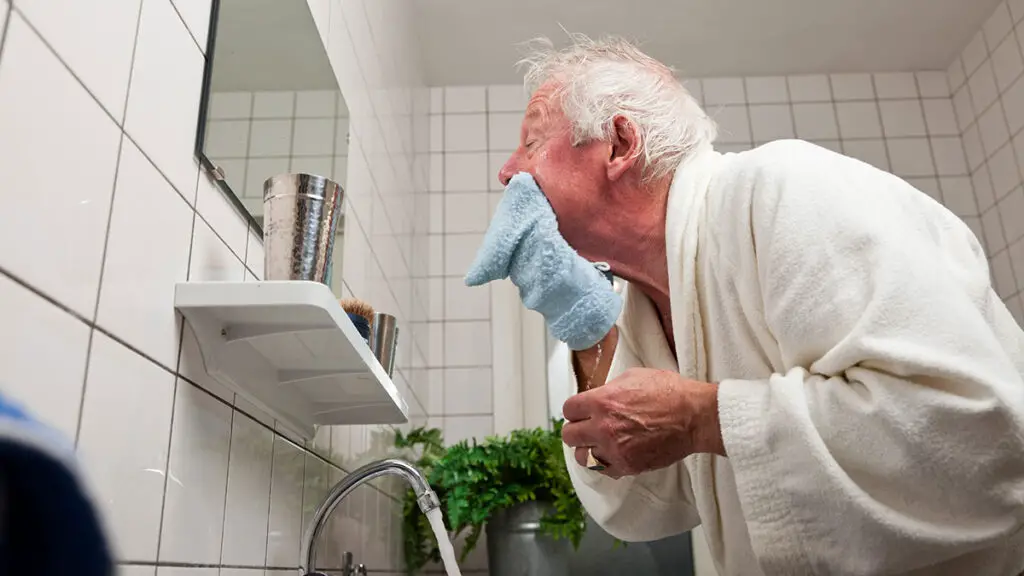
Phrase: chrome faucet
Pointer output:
(425, 497)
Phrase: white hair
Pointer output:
(598, 80)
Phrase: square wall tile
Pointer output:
(981, 181)
(313, 137)
(771, 122)
(902, 118)
(467, 344)
(506, 98)
(940, 117)
(972, 147)
(212, 260)
(503, 131)
(815, 121)
(767, 90)
(982, 85)
(230, 105)
(436, 133)
(995, 239)
(809, 88)
(724, 91)
(125, 391)
(1016, 10)
(859, 120)
(955, 74)
(34, 333)
(254, 254)
(465, 132)
(964, 109)
(271, 138)
(96, 44)
(167, 76)
(227, 139)
(1011, 212)
(1017, 260)
(465, 172)
(247, 508)
(1005, 173)
(733, 124)
(198, 473)
(468, 391)
(949, 156)
(147, 253)
(466, 303)
(58, 125)
(852, 87)
(459, 428)
(285, 532)
(891, 85)
(910, 157)
(998, 25)
(258, 170)
(316, 104)
(872, 152)
(993, 129)
(1013, 106)
(466, 212)
(465, 99)
(974, 53)
(1007, 63)
(958, 195)
(273, 104)
(459, 252)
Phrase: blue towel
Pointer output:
(48, 526)
(524, 245)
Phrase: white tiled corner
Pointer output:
(809, 88)
(465, 132)
(285, 531)
(852, 87)
(1007, 63)
(891, 85)
(958, 195)
(465, 99)
(910, 157)
(467, 343)
(212, 260)
(503, 131)
(815, 121)
(58, 126)
(35, 332)
(940, 117)
(197, 478)
(125, 391)
(506, 98)
(902, 118)
(724, 91)
(459, 252)
(459, 428)
(96, 44)
(767, 90)
(196, 15)
(466, 212)
(467, 391)
(993, 129)
(247, 507)
(931, 84)
(166, 76)
(949, 158)
(771, 122)
(466, 303)
(147, 253)
(859, 120)
(733, 124)
(871, 151)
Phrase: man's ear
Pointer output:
(625, 147)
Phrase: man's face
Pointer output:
(572, 177)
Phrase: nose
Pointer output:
(508, 171)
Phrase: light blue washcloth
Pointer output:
(523, 244)
(48, 525)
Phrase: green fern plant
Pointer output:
(475, 480)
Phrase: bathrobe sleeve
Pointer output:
(650, 506)
(894, 438)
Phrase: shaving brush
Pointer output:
(361, 315)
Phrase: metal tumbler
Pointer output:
(300, 221)
(384, 340)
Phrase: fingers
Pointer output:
(583, 433)
(580, 406)
(581, 455)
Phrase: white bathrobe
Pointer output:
(871, 392)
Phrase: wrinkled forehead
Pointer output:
(543, 106)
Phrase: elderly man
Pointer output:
(810, 361)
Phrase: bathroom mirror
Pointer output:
(271, 102)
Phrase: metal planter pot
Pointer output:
(516, 546)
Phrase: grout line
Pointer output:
(227, 483)
(167, 469)
(187, 29)
(8, 9)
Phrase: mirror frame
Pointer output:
(206, 164)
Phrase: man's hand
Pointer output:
(643, 420)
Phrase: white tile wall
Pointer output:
(108, 100)
(987, 81)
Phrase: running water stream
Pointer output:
(443, 543)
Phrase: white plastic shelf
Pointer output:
(290, 349)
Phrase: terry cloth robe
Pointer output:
(871, 393)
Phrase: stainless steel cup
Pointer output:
(384, 340)
(300, 219)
